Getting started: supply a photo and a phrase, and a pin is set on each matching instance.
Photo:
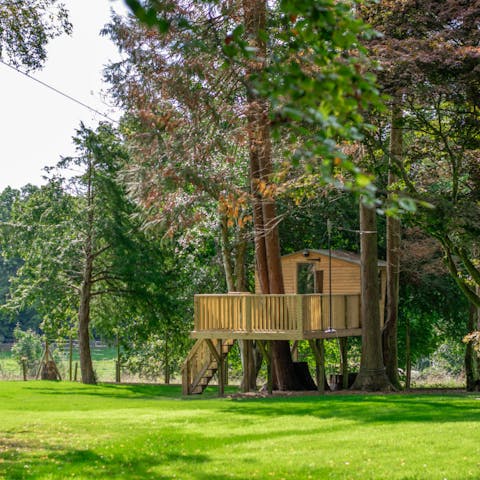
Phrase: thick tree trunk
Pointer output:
(408, 357)
(390, 330)
(86, 366)
(372, 376)
(226, 254)
(471, 367)
(166, 364)
(240, 261)
(267, 245)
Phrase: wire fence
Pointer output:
(107, 363)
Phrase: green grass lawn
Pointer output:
(65, 430)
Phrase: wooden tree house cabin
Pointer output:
(308, 310)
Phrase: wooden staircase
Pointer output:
(206, 358)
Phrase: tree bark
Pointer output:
(390, 330)
(267, 244)
(471, 367)
(86, 366)
(408, 357)
(240, 261)
(226, 253)
(372, 376)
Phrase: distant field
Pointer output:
(64, 430)
(103, 361)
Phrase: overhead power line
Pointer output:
(59, 92)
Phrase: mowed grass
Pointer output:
(64, 430)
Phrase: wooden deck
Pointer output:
(276, 317)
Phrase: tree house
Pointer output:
(322, 300)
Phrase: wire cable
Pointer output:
(59, 92)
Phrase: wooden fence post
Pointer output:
(343, 344)
(24, 369)
(70, 358)
(299, 316)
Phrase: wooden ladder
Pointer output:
(202, 363)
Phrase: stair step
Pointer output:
(210, 366)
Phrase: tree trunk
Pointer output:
(372, 376)
(86, 366)
(226, 253)
(166, 364)
(477, 327)
(390, 330)
(240, 261)
(408, 357)
(267, 244)
(471, 367)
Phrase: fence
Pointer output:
(66, 356)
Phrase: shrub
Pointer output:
(27, 348)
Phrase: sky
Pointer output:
(36, 124)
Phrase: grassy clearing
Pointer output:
(65, 430)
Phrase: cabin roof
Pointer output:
(337, 254)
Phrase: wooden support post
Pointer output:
(299, 316)
(221, 370)
(24, 369)
(225, 363)
(247, 346)
(219, 358)
(295, 351)
(343, 346)
(248, 312)
(186, 385)
(321, 350)
(70, 358)
(117, 371)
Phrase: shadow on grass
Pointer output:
(192, 449)
(87, 463)
(365, 408)
(120, 391)
(359, 408)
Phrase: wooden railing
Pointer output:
(275, 316)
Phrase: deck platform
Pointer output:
(276, 317)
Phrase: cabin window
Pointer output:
(305, 278)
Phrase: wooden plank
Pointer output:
(262, 335)
(286, 316)
(350, 332)
(221, 370)
(213, 350)
(248, 314)
(299, 315)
